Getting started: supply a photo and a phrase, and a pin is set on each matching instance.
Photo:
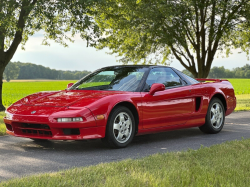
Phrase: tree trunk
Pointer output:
(204, 69)
(201, 74)
(2, 67)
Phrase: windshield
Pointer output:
(119, 78)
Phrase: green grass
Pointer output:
(13, 91)
(2, 125)
(226, 164)
(241, 86)
(243, 102)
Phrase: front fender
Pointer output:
(105, 105)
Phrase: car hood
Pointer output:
(66, 98)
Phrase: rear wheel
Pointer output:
(215, 117)
(120, 128)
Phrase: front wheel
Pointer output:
(215, 117)
(120, 128)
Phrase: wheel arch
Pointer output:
(132, 108)
(222, 98)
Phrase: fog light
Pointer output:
(69, 119)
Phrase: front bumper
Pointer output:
(42, 127)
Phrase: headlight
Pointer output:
(8, 115)
(69, 119)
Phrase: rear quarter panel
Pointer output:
(225, 89)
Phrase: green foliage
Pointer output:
(11, 71)
(57, 19)
(217, 72)
(247, 74)
(221, 72)
(225, 164)
(243, 41)
(192, 31)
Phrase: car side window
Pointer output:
(164, 76)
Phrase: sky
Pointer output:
(80, 57)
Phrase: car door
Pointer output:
(172, 106)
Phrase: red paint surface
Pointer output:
(164, 110)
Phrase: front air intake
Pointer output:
(9, 127)
(71, 131)
(32, 129)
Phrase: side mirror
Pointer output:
(156, 87)
(69, 85)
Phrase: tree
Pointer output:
(20, 19)
(218, 72)
(239, 73)
(243, 39)
(229, 74)
(11, 71)
(247, 74)
(154, 31)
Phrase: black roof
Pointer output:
(139, 65)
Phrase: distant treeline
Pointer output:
(33, 71)
(19, 70)
(221, 72)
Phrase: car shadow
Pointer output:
(92, 145)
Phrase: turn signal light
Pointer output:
(69, 119)
(99, 117)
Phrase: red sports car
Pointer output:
(116, 103)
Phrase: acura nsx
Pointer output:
(118, 102)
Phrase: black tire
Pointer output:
(215, 117)
(120, 131)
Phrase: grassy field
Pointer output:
(2, 125)
(226, 164)
(241, 86)
(243, 102)
(13, 91)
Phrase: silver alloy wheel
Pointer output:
(216, 115)
(122, 127)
